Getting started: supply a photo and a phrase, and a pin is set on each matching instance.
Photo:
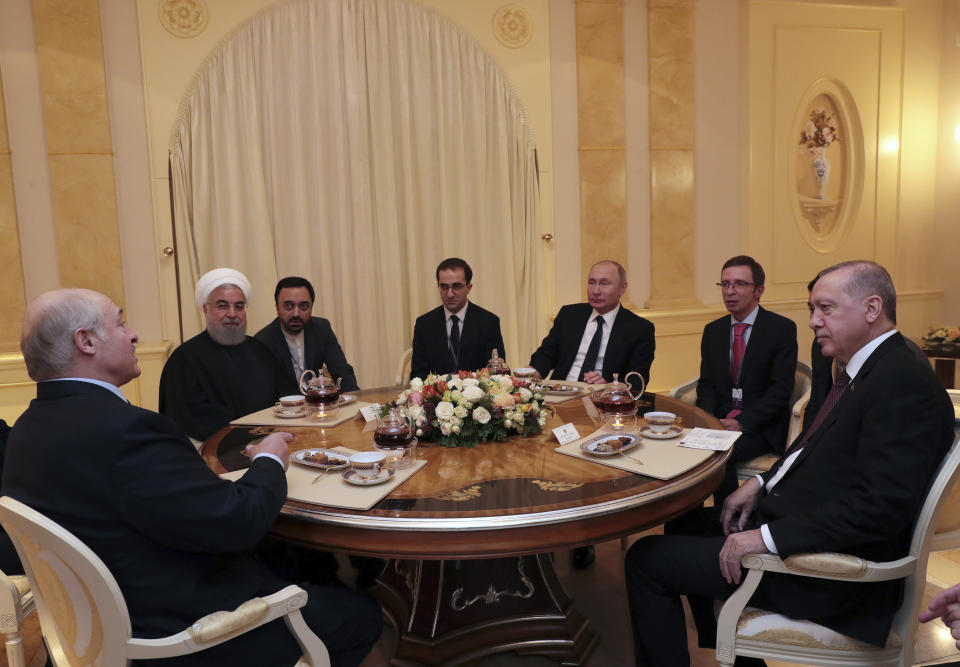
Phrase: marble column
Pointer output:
(11, 268)
(670, 61)
(602, 137)
(80, 152)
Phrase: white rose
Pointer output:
(416, 384)
(472, 392)
(460, 411)
(470, 382)
(420, 431)
(402, 398)
(456, 396)
(416, 412)
(445, 428)
(454, 382)
(455, 421)
(481, 415)
(467, 404)
(518, 418)
(525, 394)
(455, 429)
(444, 410)
(505, 381)
(507, 423)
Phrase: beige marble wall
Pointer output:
(70, 57)
(671, 104)
(602, 140)
(11, 269)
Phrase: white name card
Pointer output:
(566, 433)
(370, 412)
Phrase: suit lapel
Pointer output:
(720, 345)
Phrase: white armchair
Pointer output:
(16, 603)
(84, 617)
(763, 634)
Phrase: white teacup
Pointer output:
(367, 464)
(659, 422)
(290, 404)
(525, 373)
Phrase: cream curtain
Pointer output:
(358, 143)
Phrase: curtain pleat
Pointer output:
(358, 143)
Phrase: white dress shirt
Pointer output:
(295, 345)
(588, 332)
(853, 367)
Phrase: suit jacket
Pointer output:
(766, 376)
(857, 487)
(629, 348)
(320, 346)
(128, 483)
(479, 337)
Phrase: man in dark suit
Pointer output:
(589, 342)
(128, 483)
(748, 361)
(853, 482)
(459, 335)
(300, 341)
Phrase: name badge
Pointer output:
(566, 433)
(737, 395)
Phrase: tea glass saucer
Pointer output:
(354, 478)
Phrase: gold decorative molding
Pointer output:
(183, 18)
(512, 26)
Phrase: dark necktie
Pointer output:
(453, 342)
(739, 348)
(833, 397)
(590, 361)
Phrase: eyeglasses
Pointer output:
(736, 284)
(455, 287)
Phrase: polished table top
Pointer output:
(495, 499)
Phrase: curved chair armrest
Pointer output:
(835, 566)
(801, 404)
(682, 389)
(220, 626)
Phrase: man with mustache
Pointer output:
(221, 373)
(300, 341)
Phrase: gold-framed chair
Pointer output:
(84, 618)
(16, 603)
(403, 367)
(763, 634)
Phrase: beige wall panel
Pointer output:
(11, 270)
(603, 207)
(792, 46)
(70, 50)
(86, 213)
(600, 74)
(672, 200)
(671, 76)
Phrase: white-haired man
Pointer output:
(174, 535)
(221, 373)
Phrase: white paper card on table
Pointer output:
(566, 433)
(717, 440)
(370, 412)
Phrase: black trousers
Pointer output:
(662, 568)
(748, 446)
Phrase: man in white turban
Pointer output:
(221, 373)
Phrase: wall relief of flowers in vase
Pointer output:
(819, 132)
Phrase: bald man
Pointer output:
(221, 373)
(129, 484)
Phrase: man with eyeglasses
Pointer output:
(458, 335)
(221, 373)
(748, 362)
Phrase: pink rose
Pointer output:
(415, 397)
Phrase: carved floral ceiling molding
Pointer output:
(183, 18)
(512, 26)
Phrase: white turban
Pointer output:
(211, 280)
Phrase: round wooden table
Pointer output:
(469, 535)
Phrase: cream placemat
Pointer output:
(661, 459)
(331, 489)
(266, 417)
(584, 391)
